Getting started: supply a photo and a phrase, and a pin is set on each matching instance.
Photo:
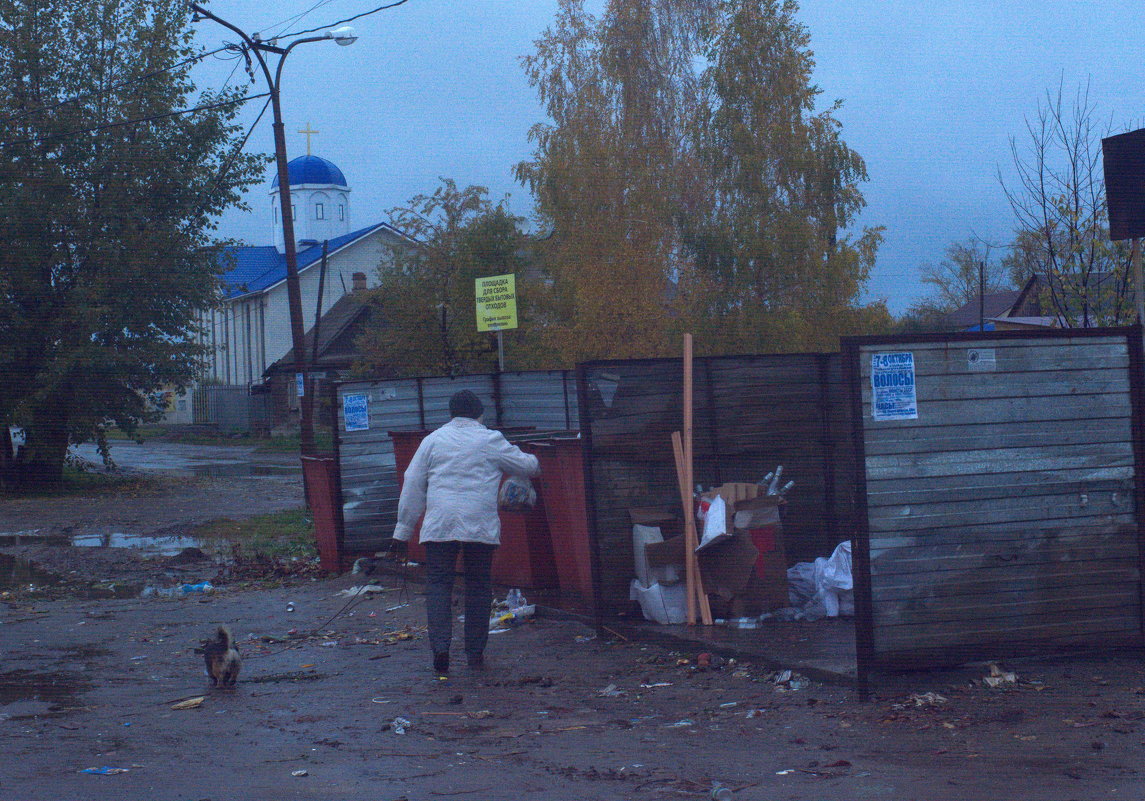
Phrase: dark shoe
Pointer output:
(441, 662)
(476, 662)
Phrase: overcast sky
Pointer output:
(932, 94)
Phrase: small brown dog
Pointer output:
(222, 658)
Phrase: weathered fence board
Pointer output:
(1005, 516)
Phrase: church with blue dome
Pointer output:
(251, 331)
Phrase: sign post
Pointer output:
(497, 308)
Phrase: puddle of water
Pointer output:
(243, 470)
(35, 693)
(19, 573)
(155, 546)
(23, 575)
(31, 536)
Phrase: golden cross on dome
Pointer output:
(308, 133)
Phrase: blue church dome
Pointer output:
(312, 170)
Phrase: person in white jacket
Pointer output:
(454, 478)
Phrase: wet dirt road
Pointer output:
(560, 714)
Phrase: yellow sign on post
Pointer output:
(497, 303)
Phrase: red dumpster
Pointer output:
(321, 474)
(562, 484)
(525, 558)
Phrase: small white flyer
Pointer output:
(892, 383)
(356, 412)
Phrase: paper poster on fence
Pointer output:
(892, 384)
(356, 412)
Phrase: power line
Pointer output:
(351, 19)
(226, 165)
(114, 87)
(106, 126)
(291, 20)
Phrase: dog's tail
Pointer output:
(224, 637)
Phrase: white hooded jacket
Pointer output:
(454, 478)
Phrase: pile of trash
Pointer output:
(823, 588)
(512, 611)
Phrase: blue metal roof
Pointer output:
(252, 268)
(312, 170)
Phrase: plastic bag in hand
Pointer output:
(517, 494)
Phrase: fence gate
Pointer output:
(1002, 486)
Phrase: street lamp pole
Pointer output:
(343, 36)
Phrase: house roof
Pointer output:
(337, 320)
(253, 268)
(994, 304)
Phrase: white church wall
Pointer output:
(363, 256)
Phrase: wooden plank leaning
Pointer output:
(697, 596)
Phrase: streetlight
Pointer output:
(344, 36)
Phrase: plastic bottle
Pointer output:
(515, 599)
(773, 484)
(720, 793)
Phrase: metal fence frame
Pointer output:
(541, 399)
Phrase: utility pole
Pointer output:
(260, 49)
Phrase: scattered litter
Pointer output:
(137, 658)
(190, 703)
(351, 592)
(610, 691)
(105, 771)
(379, 700)
(202, 588)
(729, 704)
(922, 700)
(307, 666)
(784, 772)
(479, 714)
(511, 611)
(681, 724)
(584, 638)
(290, 606)
(656, 684)
(720, 793)
(396, 608)
(789, 680)
(329, 644)
(299, 773)
(999, 677)
(399, 725)
(756, 713)
(372, 614)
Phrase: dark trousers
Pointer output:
(477, 560)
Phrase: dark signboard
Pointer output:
(1124, 157)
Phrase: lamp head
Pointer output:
(344, 36)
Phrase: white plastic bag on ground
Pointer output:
(823, 588)
(661, 603)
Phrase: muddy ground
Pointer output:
(560, 713)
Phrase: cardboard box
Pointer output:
(725, 568)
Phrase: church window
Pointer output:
(319, 211)
(293, 213)
(341, 211)
(276, 213)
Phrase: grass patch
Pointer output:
(292, 443)
(276, 535)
